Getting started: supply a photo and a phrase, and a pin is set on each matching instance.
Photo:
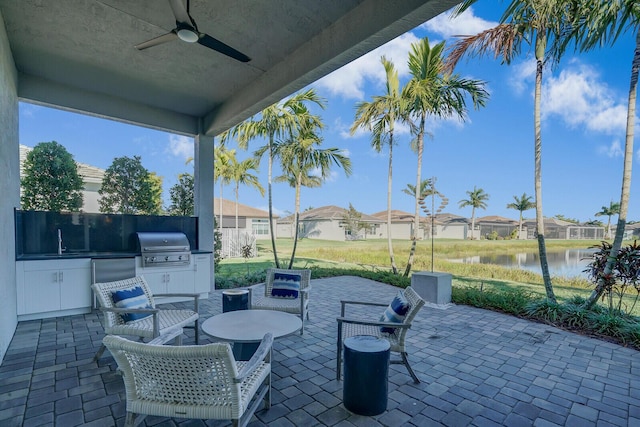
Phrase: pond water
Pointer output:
(566, 263)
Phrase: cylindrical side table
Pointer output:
(235, 299)
(366, 370)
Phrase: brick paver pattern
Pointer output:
(477, 368)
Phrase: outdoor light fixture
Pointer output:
(187, 34)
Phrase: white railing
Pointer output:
(234, 243)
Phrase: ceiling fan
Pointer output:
(187, 31)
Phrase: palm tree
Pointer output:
(299, 155)
(278, 120)
(477, 200)
(222, 160)
(240, 173)
(425, 187)
(521, 204)
(604, 21)
(545, 25)
(434, 91)
(609, 211)
(379, 117)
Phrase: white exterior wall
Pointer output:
(9, 189)
(457, 231)
(325, 230)
(90, 197)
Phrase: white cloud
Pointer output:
(524, 74)
(464, 24)
(580, 98)
(181, 146)
(348, 81)
(613, 150)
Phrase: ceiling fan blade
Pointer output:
(180, 12)
(217, 45)
(158, 40)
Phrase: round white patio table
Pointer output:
(250, 326)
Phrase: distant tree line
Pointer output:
(51, 182)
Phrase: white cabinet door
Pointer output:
(49, 286)
(180, 281)
(75, 287)
(164, 280)
(202, 276)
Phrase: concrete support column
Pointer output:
(9, 188)
(203, 193)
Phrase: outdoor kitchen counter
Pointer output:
(97, 255)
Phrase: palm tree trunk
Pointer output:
(273, 237)
(626, 176)
(520, 227)
(237, 191)
(297, 220)
(473, 222)
(220, 204)
(416, 219)
(542, 249)
(389, 241)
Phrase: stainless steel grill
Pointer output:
(164, 249)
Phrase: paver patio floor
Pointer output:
(477, 367)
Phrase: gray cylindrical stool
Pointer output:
(235, 299)
(366, 369)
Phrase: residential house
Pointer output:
(448, 226)
(253, 224)
(91, 180)
(401, 225)
(444, 225)
(559, 229)
(328, 223)
(494, 226)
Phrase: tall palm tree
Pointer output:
(279, 120)
(609, 211)
(604, 21)
(477, 200)
(544, 25)
(436, 92)
(521, 204)
(299, 155)
(241, 173)
(222, 161)
(379, 117)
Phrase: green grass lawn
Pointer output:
(373, 255)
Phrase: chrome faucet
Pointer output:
(60, 248)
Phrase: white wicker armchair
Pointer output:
(368, 325)
(197, 382)
(163, 324)
(261, 295)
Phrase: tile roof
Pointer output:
(87, 172)
(229, 209)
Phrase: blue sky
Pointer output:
(583, 131)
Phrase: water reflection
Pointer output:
(566, 263)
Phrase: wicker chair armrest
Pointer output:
(196, 298)
(262, 353)
(130, 310)
(153, 311)
(393, 325)
(344, 303)
(179, 294)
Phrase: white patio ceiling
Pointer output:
(79, 54)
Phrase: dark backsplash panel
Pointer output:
(37, 231)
